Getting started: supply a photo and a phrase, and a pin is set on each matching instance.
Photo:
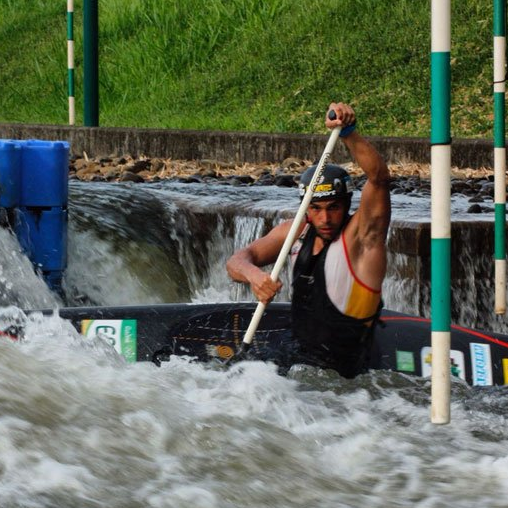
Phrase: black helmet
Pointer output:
(334, 183)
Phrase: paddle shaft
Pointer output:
(291, 237)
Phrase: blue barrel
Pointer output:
(44, 173)
(42, 233)
(10, 173)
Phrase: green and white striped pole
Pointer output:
(499, 155)
(70, 61)
(440, 210)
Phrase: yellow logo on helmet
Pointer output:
(324, 187)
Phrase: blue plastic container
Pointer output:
(10, 173)
(44, 173)
(42, 233)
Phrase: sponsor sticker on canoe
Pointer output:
(481, 363)
(120, 333)
(405, 361)
(220, 351)
(457, 363)
(505, 371)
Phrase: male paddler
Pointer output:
(338, 260)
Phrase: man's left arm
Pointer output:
(374, 211)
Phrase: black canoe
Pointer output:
(208, 331)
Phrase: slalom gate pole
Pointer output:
(440, 140)
(499, 155)
(91, 62)
(70, 61)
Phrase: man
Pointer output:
(339, 261)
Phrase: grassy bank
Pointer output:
(249, 65)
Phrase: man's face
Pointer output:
(327, 217)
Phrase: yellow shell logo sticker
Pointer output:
(324, 187)
(225, 352)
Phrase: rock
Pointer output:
(474, 209)
(138, 166)
(157, 165)
(208, 173)
(241, 179)
(459, 186)
(292, 163)
(265, 179)
(191, 179)
(127, 176)
(284, 181)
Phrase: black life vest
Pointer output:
(326, 337)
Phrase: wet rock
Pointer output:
(476, 199)
(284, 181)
(459, 186)
(241, 179)
(476, 208)
(487, 189)
(127, 176)
(265, 179)
(192, 179)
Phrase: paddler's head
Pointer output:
(329, 207)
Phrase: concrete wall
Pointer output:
(472, 268)
(235, 146)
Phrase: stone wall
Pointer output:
(236, 146)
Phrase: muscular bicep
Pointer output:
(374, 213)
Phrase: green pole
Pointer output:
(91, 62)
(499, 155)
(440, 295)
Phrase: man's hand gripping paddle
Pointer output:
(290, 239)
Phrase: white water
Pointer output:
(81, 428)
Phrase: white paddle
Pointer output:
(291, 237)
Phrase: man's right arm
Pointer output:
(245, 264)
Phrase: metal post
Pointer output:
(91, 62)
(499, 155)
(440, 210)
(70, 61)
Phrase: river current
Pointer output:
(82, 428)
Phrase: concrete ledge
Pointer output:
(236, 146)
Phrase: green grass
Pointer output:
(249, 65)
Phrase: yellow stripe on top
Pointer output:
(348, 293)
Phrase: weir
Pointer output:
(159, 244)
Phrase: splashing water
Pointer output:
(80, 427)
